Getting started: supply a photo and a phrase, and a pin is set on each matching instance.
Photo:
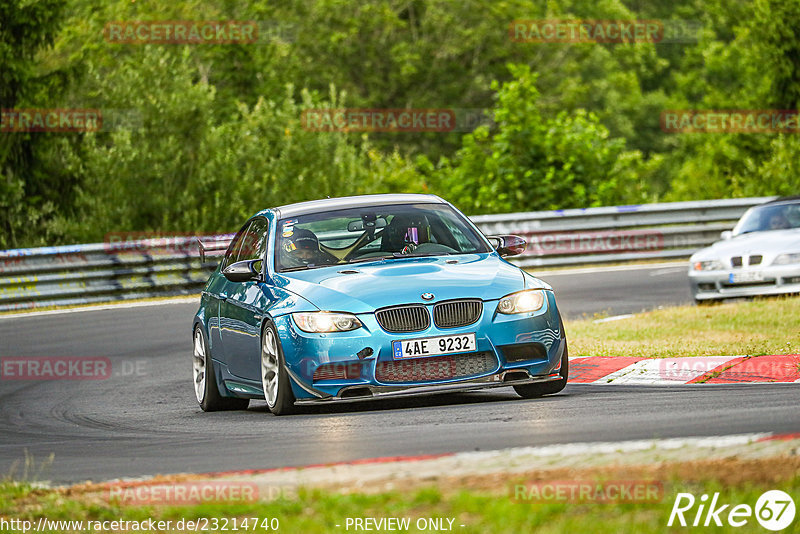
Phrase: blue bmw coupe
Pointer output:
(367, 297)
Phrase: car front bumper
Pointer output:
(774, 280)
(501, 379)
(512, 349)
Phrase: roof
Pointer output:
(784, 199)
(330, 204)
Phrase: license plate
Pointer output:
(747, 276)
(432, 346)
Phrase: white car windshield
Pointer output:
(773, 216)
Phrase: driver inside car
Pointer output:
(779, 222)
(301, 248)
(405, 233)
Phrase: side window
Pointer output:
(793, 215)
(233, 249)
(255, 241)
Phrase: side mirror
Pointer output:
(243, 271)
(508, 245)
(727, 234)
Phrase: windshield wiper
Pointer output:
(300, 268)
(399, 255)
(425, 255)
(371, 258)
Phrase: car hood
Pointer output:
(768, 243)
(364, 287)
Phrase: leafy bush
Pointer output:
(533, 162)
(180, 166)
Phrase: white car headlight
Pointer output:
(708, 265)
(319, 322)
(522, 302)
(786, 259)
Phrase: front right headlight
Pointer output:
(320, 322)
(521, 302)
(787, 259)
(708, 265)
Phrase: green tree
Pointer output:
(31, 190)
(217, 135)
(533, 162)
(758, 69)
(184, 165)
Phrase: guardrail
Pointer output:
(100, 272)
(618, 233)
(82, 274)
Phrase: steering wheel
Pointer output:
(409, 248)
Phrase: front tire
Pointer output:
(205, 383)
(532, 391)
(274, 378)
(706, 302)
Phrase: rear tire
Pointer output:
(274, 378)
(205, 381)
(532, 391)
(706, 302)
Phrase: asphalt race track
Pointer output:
(618, 290)
(144, 420)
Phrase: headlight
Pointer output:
(786, 259)
(522, 302)
(710, 265)
(318, 322)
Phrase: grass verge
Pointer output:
(756, 327)
(482, 508)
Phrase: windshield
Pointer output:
(370, 233)
(769, 217)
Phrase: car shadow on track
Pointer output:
(398, 404)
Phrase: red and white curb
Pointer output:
(399, 472)
(691, 370)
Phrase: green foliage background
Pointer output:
(210, 134)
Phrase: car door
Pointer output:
(241, 308)
(216, 291)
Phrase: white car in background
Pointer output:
(761, 256)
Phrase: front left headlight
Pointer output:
(787, 259)
(321, 322)
(521, 302)
(708, 265)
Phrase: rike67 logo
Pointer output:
(774, 510)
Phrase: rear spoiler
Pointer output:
(213, 246)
